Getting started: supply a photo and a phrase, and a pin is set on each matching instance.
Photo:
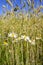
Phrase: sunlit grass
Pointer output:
(21, 40)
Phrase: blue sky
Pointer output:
(3, 2)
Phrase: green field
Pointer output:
(21, 40)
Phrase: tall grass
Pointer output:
(17, 51)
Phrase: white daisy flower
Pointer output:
(12, 35)
(15, 35)
(23, 37)
(27, 39)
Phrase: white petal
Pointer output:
(38, 38)
(27, 38)
(22, 36)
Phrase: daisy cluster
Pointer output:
(21, 37)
